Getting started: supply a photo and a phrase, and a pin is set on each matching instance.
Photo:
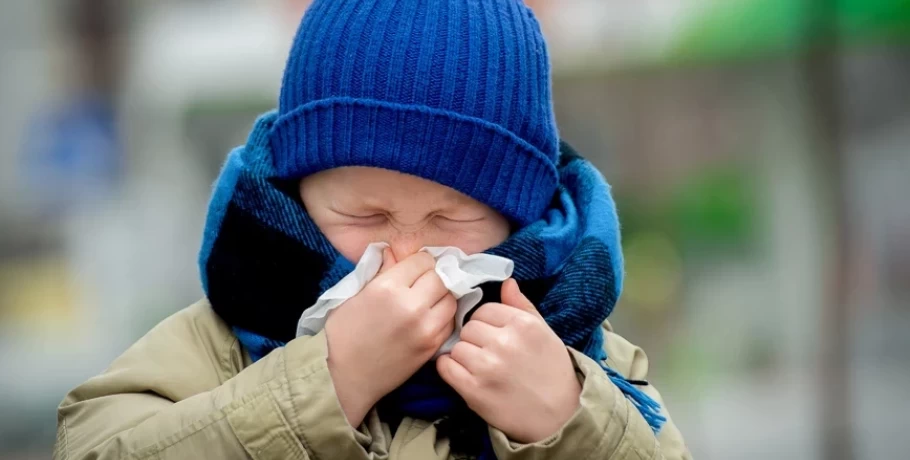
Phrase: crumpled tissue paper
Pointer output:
(461, 274)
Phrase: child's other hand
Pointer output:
(513, 370)
(383, 335)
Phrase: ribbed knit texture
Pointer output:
(454, 91)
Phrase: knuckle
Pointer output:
(382, 286)
(427, 330)
(404, 314)
(494, 364)
(416, 307)
(411, 315)
(425, 336)
(524, 323)
(505, 343)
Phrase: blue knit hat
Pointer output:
(454, 91)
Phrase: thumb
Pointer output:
(511, 295)
(388, 260)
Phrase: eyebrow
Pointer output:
(440, 204)
(335, 203)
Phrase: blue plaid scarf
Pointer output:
(263, 261)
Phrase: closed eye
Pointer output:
(461, 221)
(361, 218)
(355, 216)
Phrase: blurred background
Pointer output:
(759, 151)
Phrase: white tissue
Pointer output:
(460, 273)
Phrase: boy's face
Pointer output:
(356, 206)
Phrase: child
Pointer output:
(417, 123)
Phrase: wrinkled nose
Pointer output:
(404, 245)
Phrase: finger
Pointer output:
(444, 310)
(429, 286)
(479, 333)
(407, 271)
(512, 296)
(455, 375)
(388, 260)
(470, 356)
(495, 314)
(445, 332)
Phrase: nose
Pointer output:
(406, 237)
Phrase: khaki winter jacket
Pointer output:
(187, 390)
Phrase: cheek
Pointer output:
(477, 239)
(350, 241)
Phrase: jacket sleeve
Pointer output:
(163, 399)
(606, 425)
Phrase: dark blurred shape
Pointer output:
(73, 154)
(97, 27)
(822, 74)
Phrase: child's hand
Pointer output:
(383, 335)
(513, 370)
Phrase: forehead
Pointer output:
(381, 187)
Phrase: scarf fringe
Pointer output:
(647, 406)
